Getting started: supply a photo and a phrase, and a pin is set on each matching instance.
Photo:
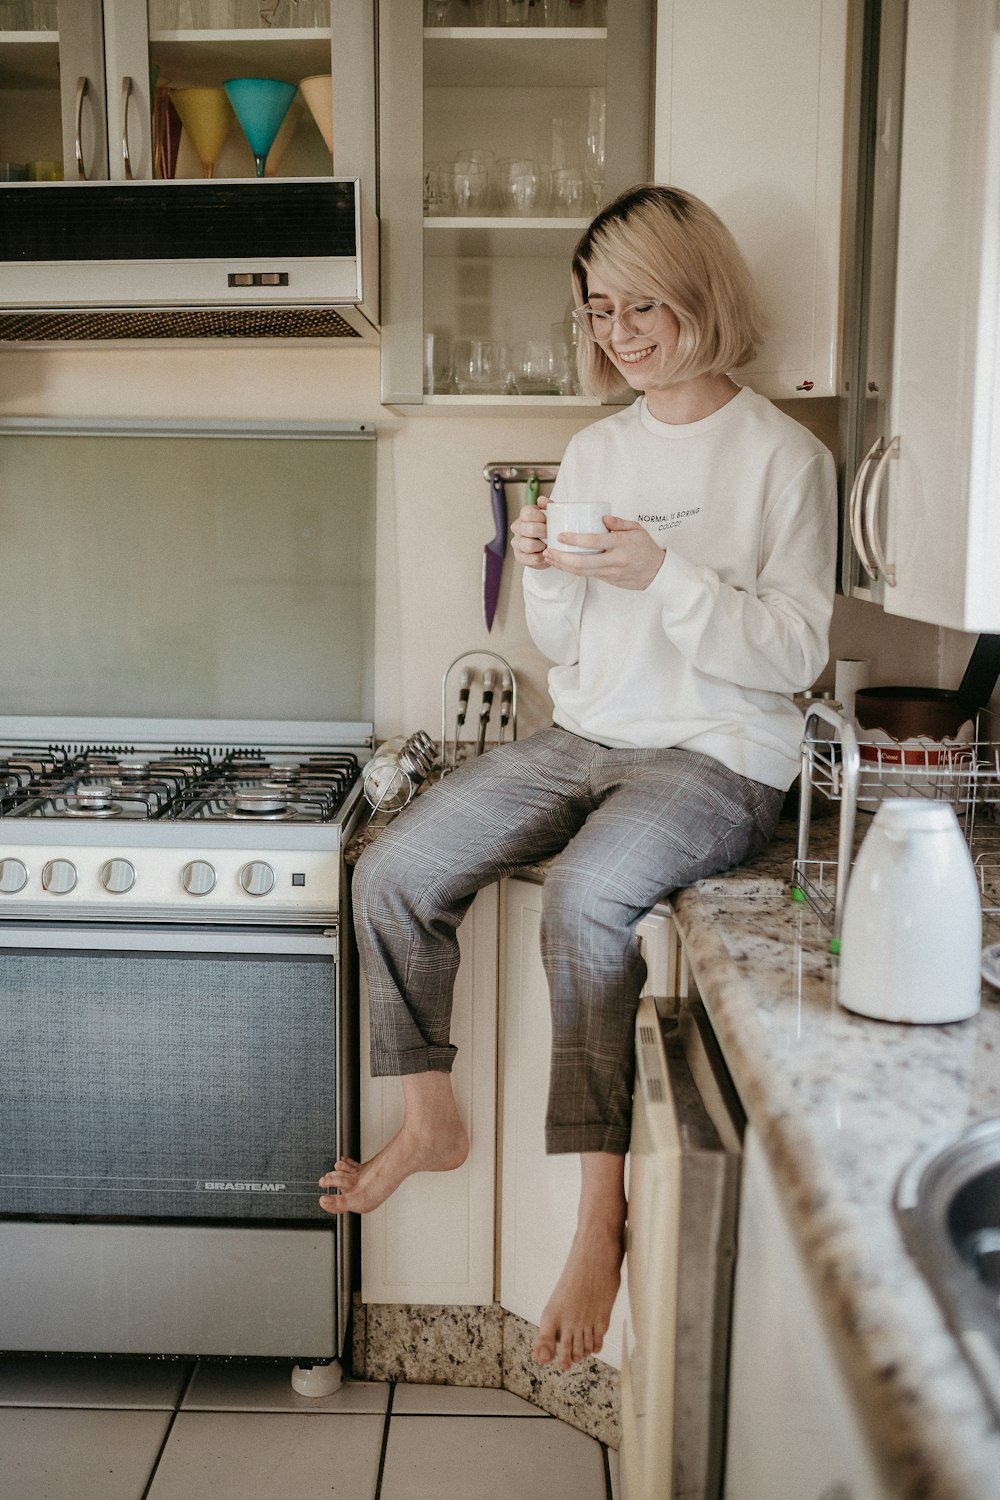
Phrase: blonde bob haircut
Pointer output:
(662, 243)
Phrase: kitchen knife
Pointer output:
(976, 687)
(464, 684)
(493, 552)
(531, 490)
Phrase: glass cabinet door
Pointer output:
(30, 112)
(504, 126)
(92, 90)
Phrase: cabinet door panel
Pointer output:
(792, 1429)
(749, 116)
(539, 1193)
(433, 1241)
(943, 516)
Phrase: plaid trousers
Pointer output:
(625, 828)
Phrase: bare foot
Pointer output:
(363, 1186)
(577, 1314)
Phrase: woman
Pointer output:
(677, 647)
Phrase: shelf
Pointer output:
(502, 236)
(477, 57)
(29, 58)
(210, 57)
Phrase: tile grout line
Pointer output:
(170, 1427)
(385, 1441)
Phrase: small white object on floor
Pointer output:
(316, 1380)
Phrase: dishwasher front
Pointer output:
(684, 1164)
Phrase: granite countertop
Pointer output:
(842, 1104)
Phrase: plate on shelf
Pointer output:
(991, 965)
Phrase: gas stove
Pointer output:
(176, 820)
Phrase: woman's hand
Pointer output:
(528, 535)
(629, 557)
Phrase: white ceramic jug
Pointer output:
(911, 937)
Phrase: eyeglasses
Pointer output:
(639, 319)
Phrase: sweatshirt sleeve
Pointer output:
(773, 639)
(553, 604)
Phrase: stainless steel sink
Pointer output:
(948, 1203)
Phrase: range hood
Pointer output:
(219, 259)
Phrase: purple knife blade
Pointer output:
(493, 552)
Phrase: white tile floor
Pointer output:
(102, 1429)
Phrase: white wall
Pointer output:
(433, 503)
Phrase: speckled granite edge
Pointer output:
(928, 1423)
(426, 1343)
(486, 1347)
(586, 1397)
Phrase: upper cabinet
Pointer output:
(750, 107)
(504, 125)
(92, 90)
(941, 468)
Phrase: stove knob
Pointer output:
(198, 877)
(118, 876)
(13, 876)
(257, 878)
(59, 876)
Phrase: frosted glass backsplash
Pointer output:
(188, 572)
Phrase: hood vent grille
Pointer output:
(198, 323)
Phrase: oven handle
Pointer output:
(246, 942)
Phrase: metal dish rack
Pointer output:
(861, 773)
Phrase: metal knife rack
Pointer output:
(967, 777)
(497, 696)
(520, 473)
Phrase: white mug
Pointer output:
(574, 515)
(911, 939)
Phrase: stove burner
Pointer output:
(259, 804)
(134, 768)
(91, 802)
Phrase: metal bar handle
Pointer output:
(126, 96)
(851, 770)
(82, 89)
(858, 490)
(870, 526)
(520, 473)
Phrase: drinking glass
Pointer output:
(206, 115)
(514, 12)
(437, 364)
(437, 12)
(439, 189)
(260, 105)
(482, 12)
(531, 372)
(480, 367)
(473, 181)
(596, 117)
(317, 91)
(563, 337)
(568, 191)
(16, 15)
(524, 186)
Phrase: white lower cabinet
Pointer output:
(793, 1432)
(433, 1241)
(539, 1194)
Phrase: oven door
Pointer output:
(168, 1099)
(179, 1073)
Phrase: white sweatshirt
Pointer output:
(735, 621)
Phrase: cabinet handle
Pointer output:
(869, 523)
(854, 508)
(126, 158)
(82, 86)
